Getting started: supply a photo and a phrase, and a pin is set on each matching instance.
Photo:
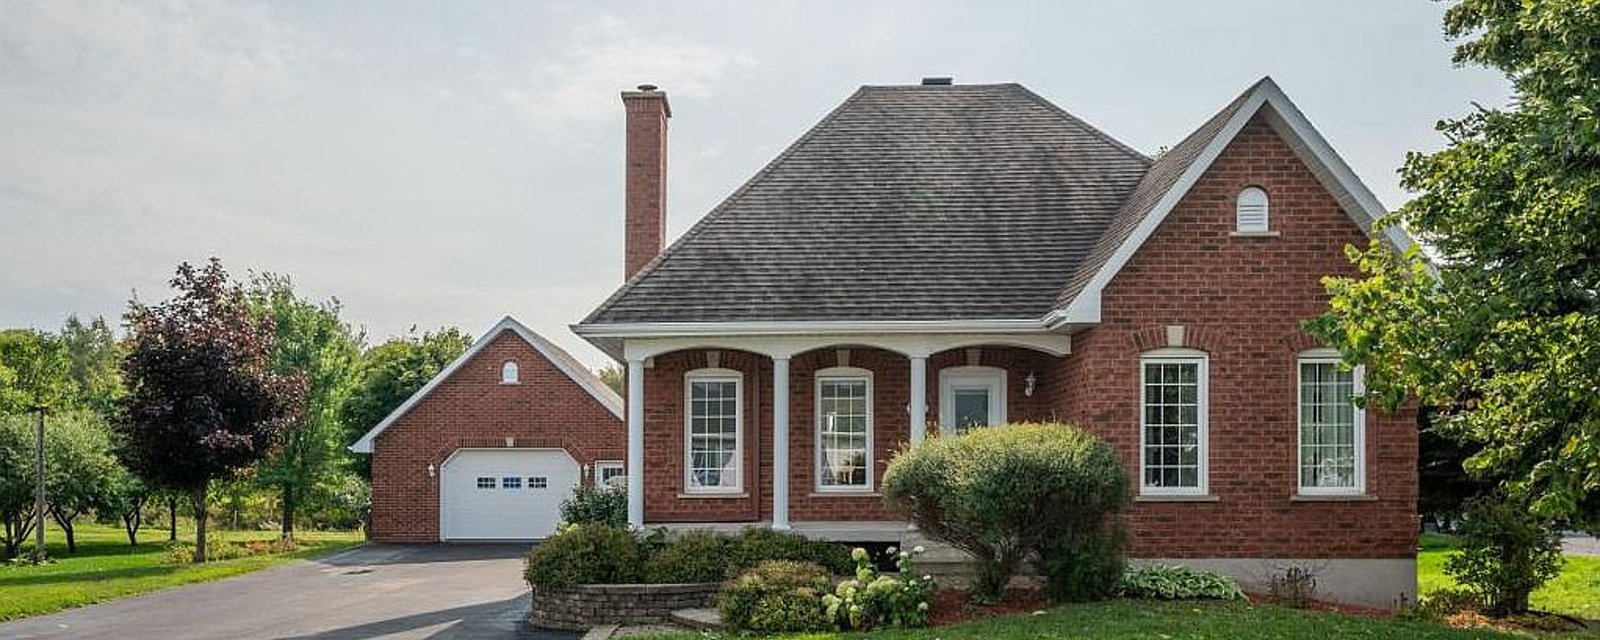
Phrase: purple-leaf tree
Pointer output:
(203, 401)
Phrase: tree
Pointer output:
(613, 377)
(311, 341)
(203, 401)
(392, 372)
(16, 483)
(1502, 333)
(79, 468)
(93, 364)
(126, 497)
(35, 370)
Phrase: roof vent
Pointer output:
(944, 81)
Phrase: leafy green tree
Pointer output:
(80, 466)
(613, 377)
(203, 400)
(126, 497)
(390, 373)
(16, 483)
(1503, 332)
(35, 370)
(314, 342)
(94, 364)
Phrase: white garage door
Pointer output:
(504, 494)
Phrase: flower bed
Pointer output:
(582, 606)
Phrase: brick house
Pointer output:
(489, 448)
(934, 257)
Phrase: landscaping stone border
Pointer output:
(583, 606)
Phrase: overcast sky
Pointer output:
(443, 163)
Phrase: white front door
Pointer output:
(971, 397)
(504, 494)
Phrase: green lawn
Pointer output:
(1576, 592)
(106, 567)
(1146, 620)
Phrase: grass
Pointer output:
(1149, 620)
(106, 567)
(1576, 592)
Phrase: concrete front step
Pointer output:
(698, 619)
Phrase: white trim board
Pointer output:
(584, 378)
(1309, 145)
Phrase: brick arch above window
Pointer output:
(1201, 338)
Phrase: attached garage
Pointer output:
(489, 448)
(504, 494)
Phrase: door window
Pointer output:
(971, 397)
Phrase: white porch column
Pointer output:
(780, 443)
(919, 398)
(636, 444)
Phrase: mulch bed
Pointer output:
(953, 606)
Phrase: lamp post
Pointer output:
(38, 503)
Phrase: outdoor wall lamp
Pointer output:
(431, 470)
(1028, 384)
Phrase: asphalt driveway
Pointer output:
(375, 591)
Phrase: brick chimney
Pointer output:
(645, 203)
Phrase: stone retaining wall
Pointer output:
(587, 605)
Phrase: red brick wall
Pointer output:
(665, 500)
(472, 409)
(1242, 300)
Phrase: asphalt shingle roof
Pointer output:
(905, 203)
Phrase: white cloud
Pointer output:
(579, 81)
(171, 51)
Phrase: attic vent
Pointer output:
(943, 81)
(1251, 210)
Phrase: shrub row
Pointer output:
(595, 553)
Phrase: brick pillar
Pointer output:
(645, 179)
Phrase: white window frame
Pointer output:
(852, 374)
(1358, 387)
(601, 466)
(951, 377)
(1266, 210)
(1175, 355)
(714, 375)
(510, 373)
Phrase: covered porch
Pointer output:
(793, 431)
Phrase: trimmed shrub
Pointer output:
(757, 545)
(585, 554)
(1506, 553)
(1178, 583)
(776, 596)
(696, 556)
(1001, 493)
(597, 505)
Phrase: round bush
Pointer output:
(1002, 493)
(600, 505)
(585, 554)
(756, 545)
(777, 596)
(696, 556)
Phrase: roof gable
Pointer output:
(1180, 168)
(563, 361)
